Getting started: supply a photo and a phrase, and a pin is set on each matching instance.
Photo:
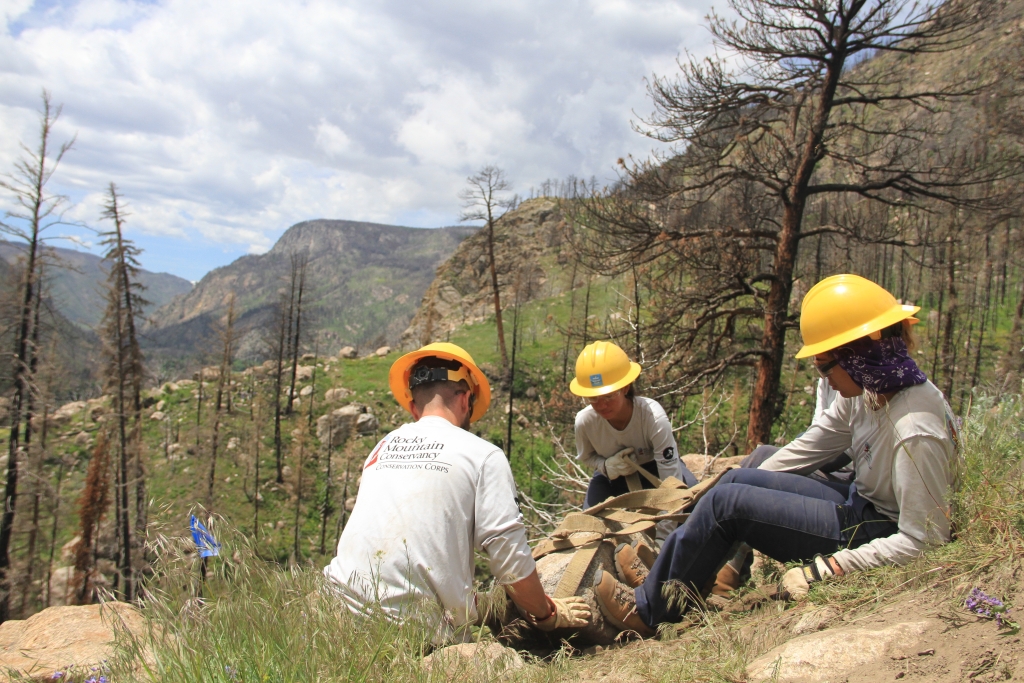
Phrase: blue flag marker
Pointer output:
(205, 541)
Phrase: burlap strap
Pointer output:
(577, 569)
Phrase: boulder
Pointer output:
(68, 412)
(834, 653)
(337, 394)
(306, 391)
(304, 373)
(44, 646)
(61, 585)
(703, 466)
(208, 373)
(82, 439)
(161, 405)
(157, 415)
(5, 408)
(466, 660)
(307, 357)
(347, 352)
(366, 423)
(382, 351)
(338, 425)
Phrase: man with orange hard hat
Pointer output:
(431, 493)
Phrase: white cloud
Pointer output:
(224, 123)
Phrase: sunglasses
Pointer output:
(825, 369)
(593, 400)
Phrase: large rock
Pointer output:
(367, 423)
(463, 661)
(68, 412)
(704, 466)
(347, 352)
(49, 642)
(338, 425)
(337, 394)
(304, 373)
(831, 654)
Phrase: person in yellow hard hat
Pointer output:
(432, 493)
(620, 431)
(896, 424)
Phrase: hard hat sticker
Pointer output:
(596, 380)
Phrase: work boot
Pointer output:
(727, 581)
(618, 604)
(631, 569)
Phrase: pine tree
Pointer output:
(123, 378)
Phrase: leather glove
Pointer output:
(797, 581)
(571, 612)
(619, 465)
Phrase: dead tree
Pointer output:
(123, 375)
(92, 506)
(298, 278)
(812, 114)
(227, 339)
(485, 199)
(37, 210)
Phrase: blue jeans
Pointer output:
(785, 516)
(601, 487)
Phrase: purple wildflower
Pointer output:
(985, 605)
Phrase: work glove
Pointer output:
(571, 612)
(619, 465)
(797, 581)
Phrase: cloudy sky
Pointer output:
(225, 122)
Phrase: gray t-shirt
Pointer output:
(649, 434)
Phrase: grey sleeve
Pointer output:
(500, 531)
(921, 481)
(826, 438)
(585, 451)
(663, 443)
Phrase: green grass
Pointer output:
(261, 623)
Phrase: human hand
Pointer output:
(797, 581)
(571, 612)
(619, 465)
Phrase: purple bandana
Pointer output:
(881, 366)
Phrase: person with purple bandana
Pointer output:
(903, 440)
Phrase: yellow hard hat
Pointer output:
(601, 369)
(398, 377)
(842, 308)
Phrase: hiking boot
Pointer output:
(628, 565)
(646, 554)
(618, 604)
(727, 581)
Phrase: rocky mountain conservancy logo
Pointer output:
(596, 380)
(372, 459)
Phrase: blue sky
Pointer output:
(224, 123)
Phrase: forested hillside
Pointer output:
(902, 164)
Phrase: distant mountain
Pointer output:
(363, 284)
(76, 284)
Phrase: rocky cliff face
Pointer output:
(532, 259)
(363, 281)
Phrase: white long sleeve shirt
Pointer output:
(903, 457)
(649, 434)
(430, 494)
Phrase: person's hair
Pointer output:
(631, 391)
(909, 336)
(424, 393)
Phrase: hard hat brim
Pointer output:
(589, 392)
(890, 317)
(398, 379)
